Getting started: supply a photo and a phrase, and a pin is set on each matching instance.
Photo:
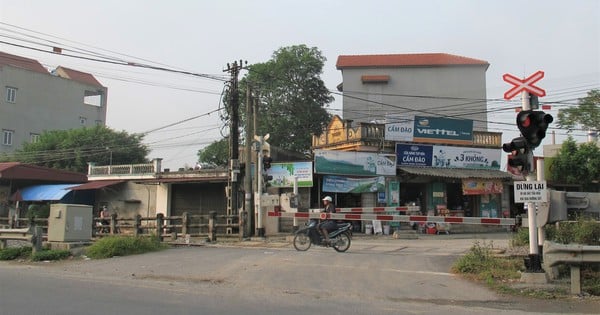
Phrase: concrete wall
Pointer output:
(440, 86)
(45, 102)
(129, 199)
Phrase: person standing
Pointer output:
(104, 219)
(328, 224)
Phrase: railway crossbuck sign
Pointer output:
(524, 85)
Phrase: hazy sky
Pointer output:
(561, 38)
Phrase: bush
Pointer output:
(50, 254)
(521, 238)
(122, 246)
(38, 211)
(583, 231)
(12, 253)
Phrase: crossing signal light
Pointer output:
(533, 126)
(267, 162)
(521, 154)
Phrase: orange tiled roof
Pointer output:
(21, 62)
(404, 60)
(77, 76)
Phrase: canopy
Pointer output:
(456, 172)
(46, 192)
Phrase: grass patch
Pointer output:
(50, 254)
(25, 252)
(12, 253)
(123, 245)
(481, 264)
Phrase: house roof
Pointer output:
(405, 60)
(97, 184)
(20, 171)
(76, 76)
(21, 62)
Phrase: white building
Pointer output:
(428, 84)
(34, 100)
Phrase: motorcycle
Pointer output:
(340, 238)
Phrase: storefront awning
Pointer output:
(46, 192)
(97, 184)
(456, 172)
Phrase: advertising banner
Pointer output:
(341, 184)
(354, 163)
(443, 130)
(399, 128)
(446, 156)
(283, 174)
(481, 187)
(414, 155)
(393, 194)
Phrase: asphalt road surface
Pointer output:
(376, 276)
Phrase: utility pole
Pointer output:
(246, 230)
(234, 164)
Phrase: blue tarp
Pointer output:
(46, 192)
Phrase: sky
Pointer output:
(179, 111)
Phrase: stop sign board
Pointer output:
(530, 191)
(524, 85)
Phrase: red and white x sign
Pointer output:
(525, 84)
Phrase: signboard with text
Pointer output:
(530, 191)
(410, 128)
(354, 163)
(447, 156)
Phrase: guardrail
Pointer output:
(573, 255)
(32, 235)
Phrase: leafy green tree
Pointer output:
(73, 149)
(577, 164)
(586, 114)
(215, 153)
(292, 97)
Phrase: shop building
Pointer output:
(360, 166)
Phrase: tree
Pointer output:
(292, 97)
(215, 153)
(73, 149)
(586, 114)
(576, 164)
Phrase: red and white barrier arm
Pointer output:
(403, 209)
(395, 218)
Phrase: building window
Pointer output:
(82, 120)
(7, 137)
(34, 138)
(99, 123)
(11, 94)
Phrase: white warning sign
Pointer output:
(526, 191)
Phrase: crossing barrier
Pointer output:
(393, 217)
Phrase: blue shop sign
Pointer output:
(414, 155)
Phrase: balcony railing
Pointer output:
(135, 170)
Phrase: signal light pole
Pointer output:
(533, 125)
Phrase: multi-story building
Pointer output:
(34, 100)
(434, 84)
(414, 133)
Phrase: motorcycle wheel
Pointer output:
(302, 241)
(341, 243)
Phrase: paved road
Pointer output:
(376, 276)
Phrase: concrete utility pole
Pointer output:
(234, 164)
(245, 231)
